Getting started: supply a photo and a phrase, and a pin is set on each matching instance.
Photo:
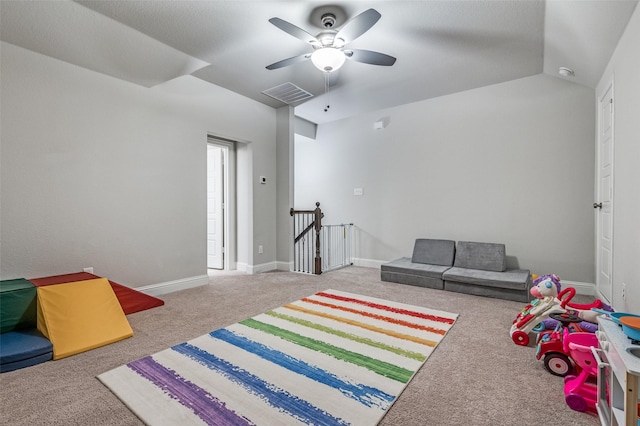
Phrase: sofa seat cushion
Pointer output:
(434, 252)
(514, 279)
(404, 265)
(483, 256)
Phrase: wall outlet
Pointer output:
(89, 269)
(260, 249)
(623, 290)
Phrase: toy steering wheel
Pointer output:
(566, 318)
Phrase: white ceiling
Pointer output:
(441, 46)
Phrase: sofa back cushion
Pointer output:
(434, 252)
(484, 256)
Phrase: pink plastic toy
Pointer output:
(580, 392)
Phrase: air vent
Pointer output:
(288, 93)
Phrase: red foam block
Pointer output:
(131, 300)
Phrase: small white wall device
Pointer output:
(381, 123)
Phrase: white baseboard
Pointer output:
(588, 289)
(176, 285)
(284, 266)
(264, 267)
(367, 263)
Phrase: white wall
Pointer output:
(263, 209)
(510, 163)
(103, 173)
(624, 69)
(285, 150)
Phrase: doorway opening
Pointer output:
(220, 204)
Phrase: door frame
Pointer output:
(216, 194)
(609, 88)
(229, 199)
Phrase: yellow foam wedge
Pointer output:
(80, 316)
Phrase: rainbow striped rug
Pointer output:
(333, 358)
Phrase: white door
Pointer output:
(215, 207)
(604, 196)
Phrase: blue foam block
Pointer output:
(23, 348)
(4, 368)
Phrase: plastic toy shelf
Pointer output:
(618, 376)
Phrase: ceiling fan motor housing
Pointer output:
(328, 38)
(328, 20)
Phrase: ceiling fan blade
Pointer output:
(297, 32)
(370, 57)
(289, 61)
(358, 25)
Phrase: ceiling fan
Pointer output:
(329, 45)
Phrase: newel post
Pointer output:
(317, 266)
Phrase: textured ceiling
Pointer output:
(442, 47)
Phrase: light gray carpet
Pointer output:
(476, 376)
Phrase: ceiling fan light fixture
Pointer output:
(328, 59)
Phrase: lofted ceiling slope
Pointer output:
(441, 46)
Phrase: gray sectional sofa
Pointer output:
(470, 267)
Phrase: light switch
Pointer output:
(358, 191)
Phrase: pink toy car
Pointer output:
(550, 345)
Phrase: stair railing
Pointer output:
(319, 248)
(306, 241)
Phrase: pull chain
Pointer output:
(326, 90)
